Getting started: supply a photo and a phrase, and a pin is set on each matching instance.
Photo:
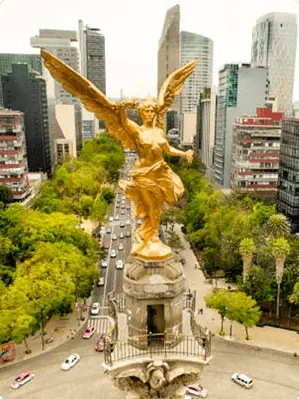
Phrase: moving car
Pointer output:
(128, 222)
(104, 262)
(128, 234)
(95, 309)
(114, 237)
(100, 344)
(128, 207)
(119, 264)
(121, 247)
(242, 379)
(106, 245)
(88, 333)
(121, 235)
(116, 217)
(122, 224)
(101, 281)
(22, 378)
(139, 222)
(196, 390)
(113, 253)
(111, 219)
(123, 206)
(108, 231)
(70, 362)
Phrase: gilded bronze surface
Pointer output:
(152, 182)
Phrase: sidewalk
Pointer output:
(60, 328)
(264, 337)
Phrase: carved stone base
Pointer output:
(158, 378)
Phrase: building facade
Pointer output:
(33, 61)
(13, 157)
(241, 89)
(274, 45)
(62, 44)
(288, 175)
(65, 145)
(26, 92)
(88, 125)
(169, 48)
(206, 122)
(256, 149)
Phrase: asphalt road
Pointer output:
(275, 374)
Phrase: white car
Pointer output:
(114, 237)
(121, 247)
(196, 390)
(111, 219)
(242, 379)
(70, 362)
(128, 222)
(119, 264)
(95, 309)
(104, 263)
(113, 253)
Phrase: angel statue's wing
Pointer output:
(92, 98)
(171, 88)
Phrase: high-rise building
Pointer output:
(13, 159)
(88, 125)
(288, 175)
(65, 145)
(92, 52)
(256, 148)
(241, 89)
(199, 47)
(33, 61)
(169, 48)
(25, 91)
(274, 44)
(62, 44)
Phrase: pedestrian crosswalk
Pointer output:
(102, 323)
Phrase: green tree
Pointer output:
(22, 328)
(243, 310)
(174, 241)
(220, 301)
(280, 249)
(247, 249)
(294, 298)
(261, 214)
(6, 195)
(258, 285)
(170, 217)
(278, 226)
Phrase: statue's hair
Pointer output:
(147, 102)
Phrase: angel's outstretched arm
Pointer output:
(130, 127)
(177, 153)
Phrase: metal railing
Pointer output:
(165, 346)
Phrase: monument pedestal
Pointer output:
(156, 359)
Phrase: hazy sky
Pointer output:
(132, 29)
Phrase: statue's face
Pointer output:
(148, 114)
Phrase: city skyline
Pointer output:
(132, 33)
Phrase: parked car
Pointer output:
(95, 309)
(196, 390)
(121, 235)
(101, 281)
(113, 253)
(242, 379)
(128, 234)
(100, 344)
(114, 237)
(119, 264)
(70, 362)
(104, 262)
(22, 378)
(88, 333)
(121, 247)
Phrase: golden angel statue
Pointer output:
(152, 183)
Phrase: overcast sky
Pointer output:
(132, 29)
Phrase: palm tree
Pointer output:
(247, 249)
(278, 226)
(280, 249)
